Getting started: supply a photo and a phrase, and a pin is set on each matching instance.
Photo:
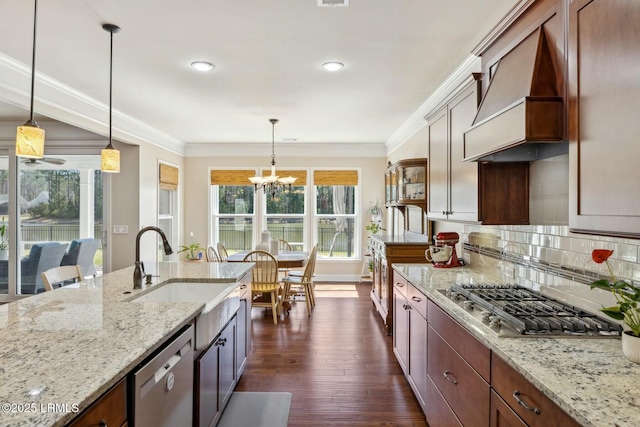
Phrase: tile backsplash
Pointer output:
(551, 259)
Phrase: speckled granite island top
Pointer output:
(71, 345)
(590, 379)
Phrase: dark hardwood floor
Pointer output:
(338, 363)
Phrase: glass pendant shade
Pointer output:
(30, 141)
(110, 160)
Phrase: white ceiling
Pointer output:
(268, 57)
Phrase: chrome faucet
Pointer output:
(138, 272)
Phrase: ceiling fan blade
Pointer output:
(54, 160)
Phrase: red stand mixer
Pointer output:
(443, 252)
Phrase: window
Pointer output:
(167, 207)
(233, 213)
(335, 212)
(285, 213)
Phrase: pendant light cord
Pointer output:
(33, 59)
(110, 87)
(273, 143)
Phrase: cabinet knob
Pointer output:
(102, 423)
(450, 379)
(416, 299)
(516, 395)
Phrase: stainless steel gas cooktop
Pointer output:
(514, 311)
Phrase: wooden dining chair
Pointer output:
(305, 282)
(212, 255)
(222, 252)
(264, 282)
(60, 275)
(283, 245)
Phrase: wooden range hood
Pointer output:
(522, 111)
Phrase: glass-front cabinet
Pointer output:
(405, 182)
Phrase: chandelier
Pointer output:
(272, 184)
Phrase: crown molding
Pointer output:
(514, 13)
(471, 64)
(61, 102)
(285, 149)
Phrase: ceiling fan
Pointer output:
(52, 160)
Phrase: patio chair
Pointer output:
(81, 252)
(42, 256)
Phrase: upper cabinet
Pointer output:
(604, 128)
(405, 183)
(492, 193)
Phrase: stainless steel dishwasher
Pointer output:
(163, 386)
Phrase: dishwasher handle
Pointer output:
(164, 370)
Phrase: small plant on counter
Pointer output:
(373, 227)
(194, 250)
(627, 295)
(370, 266)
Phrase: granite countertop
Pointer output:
(590, 379)
(399, 239)
(74, 343)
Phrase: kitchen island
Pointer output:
(61, 350)
(589, 379)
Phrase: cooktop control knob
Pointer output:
(468, 305)
(485, 316)
(494, 322)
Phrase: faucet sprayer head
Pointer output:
(167, 247)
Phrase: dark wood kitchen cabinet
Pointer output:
(492, 193)
(529, 403)
(410, 335)
(108, 410)
(603, 117)
(216, 376)
(459, 367)
(387, 249)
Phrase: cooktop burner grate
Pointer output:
(529, 312)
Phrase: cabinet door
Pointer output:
(228, 373)
(243, 323)
(502, 415)
(401, 330)
(603, 116)
(438, 181)
(464, 175)
(418, 355)
(110, 409)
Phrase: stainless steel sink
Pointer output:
(221, 301)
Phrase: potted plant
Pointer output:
(626, 308)
(370, 266)
(4, 244)
(373, 227)
(193, 251)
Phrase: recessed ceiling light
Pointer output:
(202, 65)
(332, 66)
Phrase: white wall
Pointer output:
(196, 196)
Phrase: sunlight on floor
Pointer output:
(336, 291)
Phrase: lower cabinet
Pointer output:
(244, 327)
(530, 404)
(109, 410)
(216, 376)
(410, 335)
(456, 379)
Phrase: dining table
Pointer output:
(286, 259)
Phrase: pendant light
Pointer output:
(272, 184)
(29, 137)
(109, 155)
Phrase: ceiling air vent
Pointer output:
(332, 3)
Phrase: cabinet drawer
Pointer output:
(417, 300)
(438, 413)
(465, 391)
(471, 350)
(401, 284)
(110, 409)
(506, 381)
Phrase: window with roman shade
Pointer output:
(335, 212)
